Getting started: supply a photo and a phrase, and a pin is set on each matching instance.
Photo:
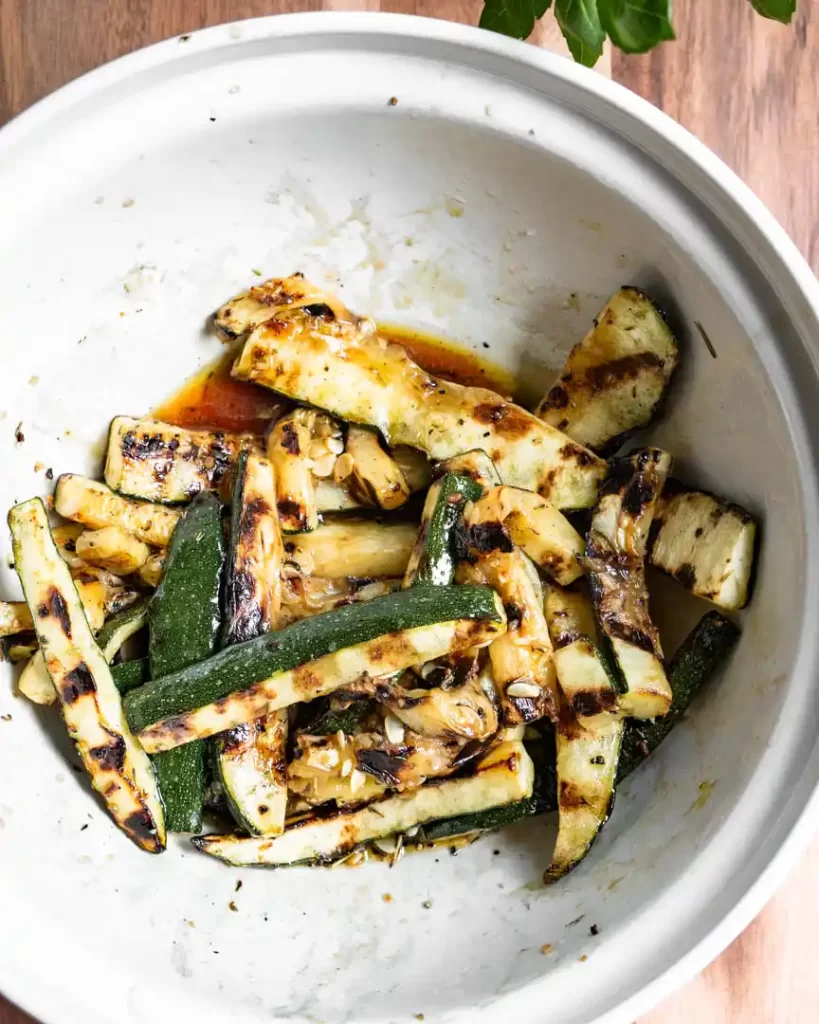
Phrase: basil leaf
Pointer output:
(514, 18)
(779, 10)
(635, 26)
(579, 22)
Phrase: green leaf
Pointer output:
(635, 26)
(779, 10)
(580, 24)
(514, 18)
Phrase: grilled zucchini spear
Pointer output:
(353, 548)
(120, 770)
(300, 441)
(616, 378)
(615, 552)
(96, 506)
(346, 369)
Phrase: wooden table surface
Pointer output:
(750, 90)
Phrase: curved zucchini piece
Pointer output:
(150, 572)
(274, 297)
(432, 562)
(183, 629)
(585, 676)
(706, 544)
(14, 618)
(615, 549)
(616, 378)
(504, 776)
(700, 655)
(160, 462)
(475, 464)
(113, 549)
(300, 442)
(252, 768)
(353, 374)
(96, 506)
(375, 478)
(253, 589)
(522, 658)
(120, 770)
(128, 675)
(587, 754)
(509, 515)
(352, 547)
(311, 658)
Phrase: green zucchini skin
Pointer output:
(116, 630)
(344, 720)
(481, 821)
(432, 563)
(240, 666)
(700, 655)
(128, 675)
(184, 626)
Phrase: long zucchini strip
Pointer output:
(271, 298)
(251, 760)
(506, 775)
(615, 551)
(184, 629)
(616, 378)
(353, 547)
(706, 544)
(375, 478)
(14, 618)
(583, 671)
(352, 373)
(522, 658)
(113, 549)
(120, 770)
(311, 658)
(96, 506)
(432, 562)
(160, 462)
(510, 515)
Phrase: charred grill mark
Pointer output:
(235, 740)
(528, 709)
(319, 310)
(514, 616)
(571, 795)
(384, 766)
(578, 453)
(393, 647)
(289, 509)
(508, 420)
(617, 371)
(56, 606)
(469, 751)
(142, 827)
(290, 439)
(558, 398)
(111, 756)
(77, 683)
(485, 537)
(592, 702)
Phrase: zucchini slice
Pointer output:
(183, 629)
(301, 443)
(432, 562)
(113, 549)
(251, 760)
(271, 298)
(504, 776)
(128, 675)
(352, 547)
(150, 572)
(700, 655)
(14, 618)
(522, 658)
(306, 596)
(475, 464)
(706, 544)
(615, 550)
(587, 755)
(159, 462)
(375, 477)
(510, 515)
(120, 770)
(616, 378)
(96, 506)
(311, 658)
(585, 677)
(353, 374)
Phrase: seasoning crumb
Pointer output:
(253, 270)
(5, 718)
(486, 344)
(387, 897)
(128, 202)
(82, 339)
(38, 467)
(34, 380)
(392, 101)
(49, 473)
(577, 920)
(238, 884)
(233, 907)
(427, 904)
(496, 853)
(190, 924)
(419, 1016)
(84, 827)
(19, 436)
(184, 39)
(547, 948)
(211, 118)
(583, 958)
(594, 930)
(531, 131)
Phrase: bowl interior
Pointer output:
(496, 213)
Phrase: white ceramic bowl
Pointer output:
(500, 201)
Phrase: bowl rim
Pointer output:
(794, 832)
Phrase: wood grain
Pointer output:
(750, 90)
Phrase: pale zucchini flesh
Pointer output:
(159, 462)
(706, 544)
(475, 464)
(120, 770)
(14, 618)
(355, 375)
(376, 478)
(352, 547)
(506, 775)
(96, 506)
(112, 548)
(252, 766)
(616, 378)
